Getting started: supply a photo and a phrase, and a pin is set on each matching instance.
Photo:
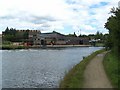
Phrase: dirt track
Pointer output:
(95, 76)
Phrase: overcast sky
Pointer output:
(64, 16)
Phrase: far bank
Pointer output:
(10, 47)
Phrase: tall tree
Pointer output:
(7, 30)
(113, 25)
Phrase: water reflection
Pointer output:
(39, 68)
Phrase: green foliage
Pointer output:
(10, 31)
(9, 47)
(6, 42)
(110, 63)
(113, 42)
(8, 37)
(108, 42)
(9, 34)
(14, 36)
(82, 36)
(99, 35)
(72, 35)
(113, 25)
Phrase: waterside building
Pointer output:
(35, 37)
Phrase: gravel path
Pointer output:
(95, 76)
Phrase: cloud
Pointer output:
(101, 4)
(42, 19)
(88, 16)
(7, 17)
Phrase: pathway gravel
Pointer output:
(95, 76)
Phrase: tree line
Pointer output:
(13, 35)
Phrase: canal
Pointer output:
(39, 68)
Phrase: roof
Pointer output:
(54, 32)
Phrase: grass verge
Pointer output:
(110, 63)
(9, 47)
(74, 78)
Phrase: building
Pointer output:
(55, 38)
(50, 38)
(77, 40)
(28, 36)
(35, 37)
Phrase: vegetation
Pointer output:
(9, 47)
(110, 63)
(13, 35)
(113, 43)
(72, 35)
(74, 78)
(113, 25)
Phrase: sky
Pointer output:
(64, 16)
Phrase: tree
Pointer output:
(72, 35)
(8, 37)
(7, 30)
(99, 35)
(75, 34)
(83, 35)
(9, 34)
(113, 25)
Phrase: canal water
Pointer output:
(41, 68)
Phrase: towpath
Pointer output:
(95, 76)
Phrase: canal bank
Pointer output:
(75, 77)
(11, 47)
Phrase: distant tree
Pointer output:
(12, 31)
(83, 35)
(75, 34)
(98, 35)
(72, 35)
(8, 37)
(9, 34)
(7, 30)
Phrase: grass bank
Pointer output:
(110, 63)
(9, 47)
(74, 78)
